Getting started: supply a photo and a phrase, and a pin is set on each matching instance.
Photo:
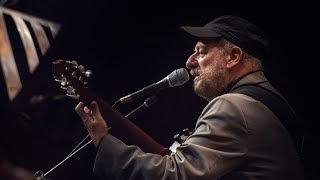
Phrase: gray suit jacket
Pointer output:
(236, 137)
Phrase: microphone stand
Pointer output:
(39, 175)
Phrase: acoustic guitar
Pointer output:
(74, 79)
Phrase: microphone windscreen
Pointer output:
(178, 77)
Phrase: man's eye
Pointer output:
(202, 53)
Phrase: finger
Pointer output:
(87, 110)
(79, 108)
(95, 109)
(81, 112)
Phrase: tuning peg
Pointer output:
(70, 90)
(67, 69)
(81, 68)
(57, 79)
(74, 63)
(76, 96)
(73, 96)
(74, 74)
(81, 78)
(88, 73)
(63, 81)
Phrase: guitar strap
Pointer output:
(280, 108)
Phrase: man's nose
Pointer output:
(192, 62)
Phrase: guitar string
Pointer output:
(71, 154)
(75, 150)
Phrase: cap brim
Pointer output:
(201, 32)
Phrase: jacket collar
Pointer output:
(253, 78)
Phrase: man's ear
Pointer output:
(235, 56)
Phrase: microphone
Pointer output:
(175, 78)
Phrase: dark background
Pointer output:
(131, 44)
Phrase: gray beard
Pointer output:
(211, 84)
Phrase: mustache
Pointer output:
(195, 72)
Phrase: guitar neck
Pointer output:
(74, 80)
(128, 132)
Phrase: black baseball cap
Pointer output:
(238, 31)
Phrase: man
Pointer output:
(237, 136)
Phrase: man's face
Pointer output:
(208, 66)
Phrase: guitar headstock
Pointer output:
(73, 78)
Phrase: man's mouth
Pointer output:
(194, 73)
